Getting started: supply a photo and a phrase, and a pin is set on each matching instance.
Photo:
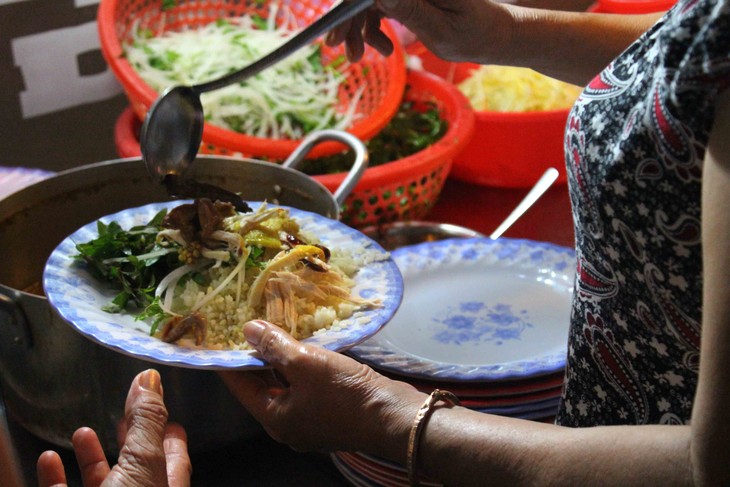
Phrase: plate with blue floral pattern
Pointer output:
(477, 310)
(79, 298)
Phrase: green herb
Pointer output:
(154, 312)
(315, 59)
(199, 279)
(260, 22)
(337, 62)
(165, 62)
(131, 260)
(168, 4)
(416, 126)
(254, 258)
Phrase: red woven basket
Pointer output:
(383, 77)
(405, 189)
(631, 6)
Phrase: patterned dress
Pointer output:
(635, 142)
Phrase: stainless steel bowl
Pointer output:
(52, 378)
(400, 234)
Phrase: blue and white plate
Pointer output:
(78, 297)
(477, 310)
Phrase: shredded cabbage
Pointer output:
(287, 100)
(513, 89)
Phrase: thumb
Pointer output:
(256, 389)
(275, 345)
(142, 457)
(145, 409)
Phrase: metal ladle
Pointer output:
(173, 128)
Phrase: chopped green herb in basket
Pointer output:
(416, 126)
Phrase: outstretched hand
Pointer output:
(154, 453)
(318, 400)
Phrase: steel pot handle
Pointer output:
(17, 324)
(356, 171)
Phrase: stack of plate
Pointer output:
(484, 319)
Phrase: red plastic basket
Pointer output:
(405, 189)
(631, 6)
(383, 77)
(509, 149)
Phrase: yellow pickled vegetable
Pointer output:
(512, 89)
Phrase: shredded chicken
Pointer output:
(240, 266)
(283, 288)
(280, 261)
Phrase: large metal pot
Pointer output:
(53, 379)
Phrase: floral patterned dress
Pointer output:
(635, 142)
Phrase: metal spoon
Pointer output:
(400, 234)
(173, 128)
(542, 185)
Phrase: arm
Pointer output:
(710, 424)
(468, 447)
(571, 46)
(328, 401)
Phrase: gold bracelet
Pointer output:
(424, 412)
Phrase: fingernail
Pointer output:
(150, 381)
(253, 330)
(349, 52)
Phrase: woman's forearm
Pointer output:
(710, 423)
(464, 447)
(570, 46)
(460, 446)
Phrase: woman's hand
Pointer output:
(467, 30)
(154, 453)
(569, 46)
(315, 399)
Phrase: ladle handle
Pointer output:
(342, 12)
